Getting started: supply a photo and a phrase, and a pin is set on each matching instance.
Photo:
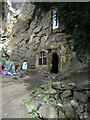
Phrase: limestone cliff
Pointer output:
(26, 35)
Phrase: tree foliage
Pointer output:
(75, 17)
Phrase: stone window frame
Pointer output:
(46, 56)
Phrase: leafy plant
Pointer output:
(30, 99)
(45, 88)
(50, 81)
(25, 104)
(36, 117)
(50, 87)
(29, 112)
(34, 109)
(36, 90)
(43, 96)
(75, 99)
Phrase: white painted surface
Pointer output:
(55, 26)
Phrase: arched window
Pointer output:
(42, 60)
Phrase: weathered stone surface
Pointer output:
(52, 92)
(57, 85)
(75, 65)
(45, 26)
(37, 29)
(57, 96)
(80, 96)
(74, 103)
(36, 40)
(86, 115)
(63, 87)
(69, 111)
(19, 27)
(80, 109)
(88, 106)
(65, 94)
(59, 101)
(43, 86)
(71, 85)
(83, 85)
(88, 93)
(27, 12)
(67, 100)
(61, 114)
(47, 111)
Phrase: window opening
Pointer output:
(42, 58)
(55, 20)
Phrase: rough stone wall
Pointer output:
(26, 36)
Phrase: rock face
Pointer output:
(61, 114)
(70, 113)
(66, 94)
(80, 96)
(57, 85)
(27, 36)
(47, 111)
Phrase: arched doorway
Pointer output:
(55, 63)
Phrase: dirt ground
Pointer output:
(78, 78)
(14, 90)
